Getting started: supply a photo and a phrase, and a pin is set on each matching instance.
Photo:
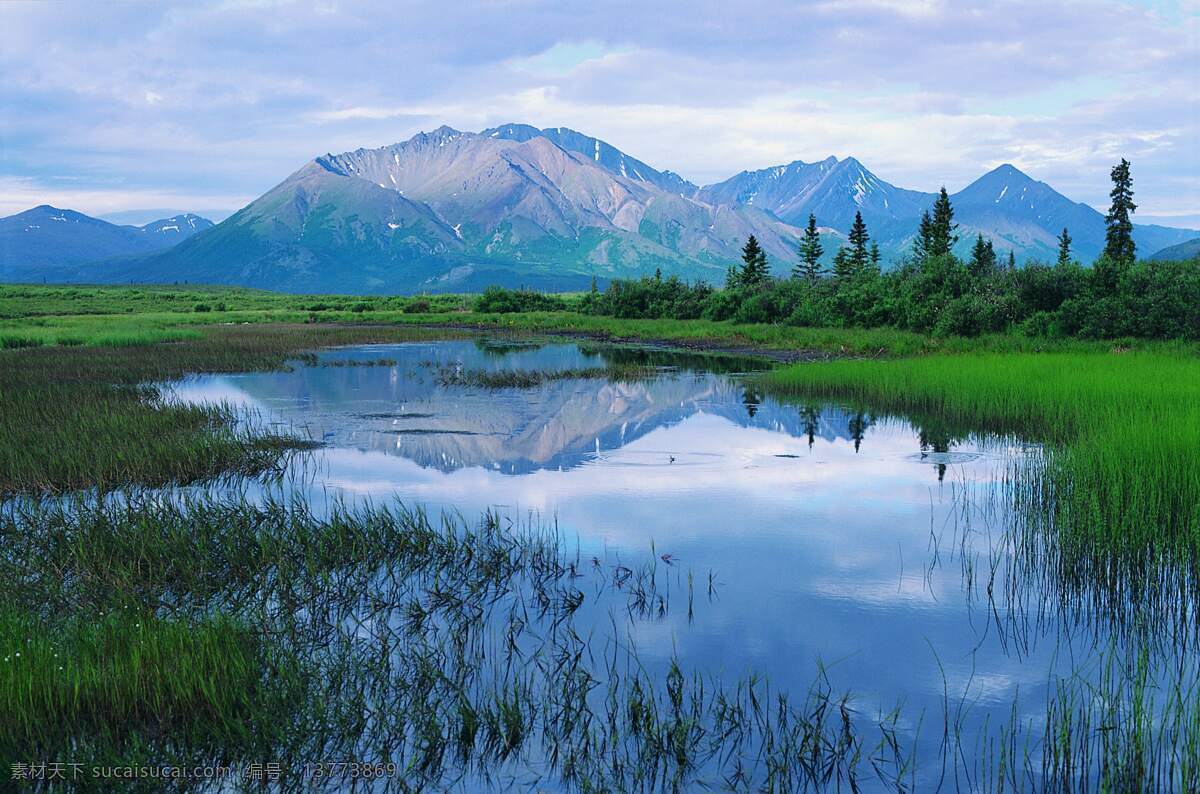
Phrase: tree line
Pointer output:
(932, 290)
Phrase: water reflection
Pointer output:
(833, 536)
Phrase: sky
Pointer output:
(121, 109)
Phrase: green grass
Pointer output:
(87, 417)
(1121, 482)
(91, 686)
(42, 315)
(1116, 501)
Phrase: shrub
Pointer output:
(416, 306)
(497, 300)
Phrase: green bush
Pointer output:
(497, 300)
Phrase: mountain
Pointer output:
(1017, 212)
(449, 210)
(47, 237)
(176, 228)
(1179, 252)
(549, 208)
(1026, 216)
(607, 156)
(833, 190)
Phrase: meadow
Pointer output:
(161, 622)
(33, 316)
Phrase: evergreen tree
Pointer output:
(1064, 247)
(858, 243)
(731, 277)
(810, 252)
(1012, 261)
(924, 237)
(983, 257)
(843, 265)
(754, 263)
(941, 236)
(1118, 244)
(875, 256)
(594, 290)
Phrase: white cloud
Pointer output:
(228, 98)
(21, 193)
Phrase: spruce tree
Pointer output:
(1064, 247)
(875, 256)
(924, 237)
(1012, 261)
(983, 257)
(843, 265)
(810, 252)
(731, 277)
(754, 263)
(941, 227)
(1118, 244)
(858, 243)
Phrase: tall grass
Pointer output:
(457, 651)
(82, 687)
(1120, 484)
(471, 655)
(89, 417)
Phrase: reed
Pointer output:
(1120, 482)
(91, 417)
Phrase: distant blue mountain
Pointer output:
(833, 190)
(1188, 250)
(1016, 212)
(1023, 215)
(49, 237)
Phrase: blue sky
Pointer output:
(113, 108)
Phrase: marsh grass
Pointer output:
(474, 654)
(88, 417)
(464, 653)
(92, 681)
(1119, 485)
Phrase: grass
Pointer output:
(1120, 485)
(461, 651)
(110, 315)
(203, 625)
(88, 417)
(82, 689)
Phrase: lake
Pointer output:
(801, 544)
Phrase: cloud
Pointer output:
(21, 193)
(229, 98)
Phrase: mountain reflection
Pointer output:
(402, 409)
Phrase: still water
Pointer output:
(818, 537)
